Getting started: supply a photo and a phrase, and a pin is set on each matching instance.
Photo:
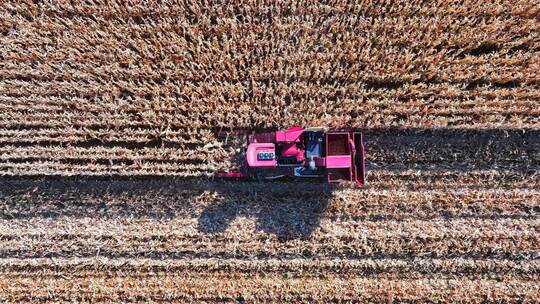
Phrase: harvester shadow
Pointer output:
(98, 197)
(284, 208)
(289, 210)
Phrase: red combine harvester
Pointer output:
(312, 152)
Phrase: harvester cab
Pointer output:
(337, 156)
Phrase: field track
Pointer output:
(114, 116)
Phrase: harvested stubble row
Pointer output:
(184, 287)
(503, 239)
(54, 232)
(447, 93)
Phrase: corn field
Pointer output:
(115, 115)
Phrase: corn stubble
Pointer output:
(447, 94)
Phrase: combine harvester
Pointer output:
(337, 156)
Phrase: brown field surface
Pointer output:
(114, 115)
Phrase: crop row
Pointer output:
(347, 111)
(522, 9)
(386, 267)
(233, 287)
(259, 234)
(171, 197)
(384, 152)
